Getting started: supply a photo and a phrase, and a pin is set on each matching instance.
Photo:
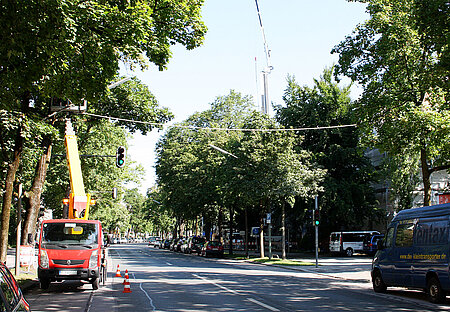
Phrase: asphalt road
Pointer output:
(161, 280)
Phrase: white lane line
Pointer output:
(149, 298)
(268, 307)
(218, 285)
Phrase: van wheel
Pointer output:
(349, 252)
(44, 283)
(377, 281)
(434, 291)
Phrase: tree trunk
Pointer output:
(425, 178)
(246, 234)
(34, 194)
(220, 225)
(7, 196)
(283, 230)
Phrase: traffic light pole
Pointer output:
(316, 226)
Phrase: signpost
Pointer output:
(269, 225)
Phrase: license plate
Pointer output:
(68, 272)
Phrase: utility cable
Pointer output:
(216, 128)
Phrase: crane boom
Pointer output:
(266, 46)
(79, 201)
(265, 98)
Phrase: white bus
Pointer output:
(349, 242)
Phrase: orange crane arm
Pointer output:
(79, 201)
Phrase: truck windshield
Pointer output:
(74, 233)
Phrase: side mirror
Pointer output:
(380, 244)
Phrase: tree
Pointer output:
(347, 197)
(71, 50)
(269, 168)
(400, 57)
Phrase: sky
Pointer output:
(299, 33)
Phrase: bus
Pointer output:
(349, 242)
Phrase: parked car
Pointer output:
(212, 248)
(370, 245)
(178, 244)
(184, 246)
(165, 244)
(173, 244)
(154, 241)
(195, 244)
(11, 298)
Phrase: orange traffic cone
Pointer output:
(126, 285)
(118, 272)
(126, 277)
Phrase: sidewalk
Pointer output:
(356, 268)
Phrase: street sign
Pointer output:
(269, 218)
(255, 231)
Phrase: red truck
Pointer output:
(71, 249)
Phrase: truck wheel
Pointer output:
(434, 291)
(44, 283)
(95, 283)
(377, 281)
(349, 252)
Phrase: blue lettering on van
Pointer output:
(432, 233)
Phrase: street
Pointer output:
(161, 280)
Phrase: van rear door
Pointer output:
(335, 242)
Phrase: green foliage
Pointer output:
(71, 49)
(348, 198)
(400, 57)
(198, 180)
(133, 100)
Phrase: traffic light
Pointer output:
(120, 156)
(316, 217)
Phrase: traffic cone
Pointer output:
(126, 285)
(118, 272)
(126, 277)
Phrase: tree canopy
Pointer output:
(400, 57)
(348, 197)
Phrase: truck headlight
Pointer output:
(93, 261)
(43, 262)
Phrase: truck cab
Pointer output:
(70, 249)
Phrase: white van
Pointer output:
(349, 242)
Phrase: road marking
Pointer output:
(169, 263)
(263, 304)
(237, 293)
(149, 298)
(218, 285)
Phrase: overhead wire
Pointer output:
(161, 125)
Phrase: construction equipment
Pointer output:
(72, 248)
(79, 201)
